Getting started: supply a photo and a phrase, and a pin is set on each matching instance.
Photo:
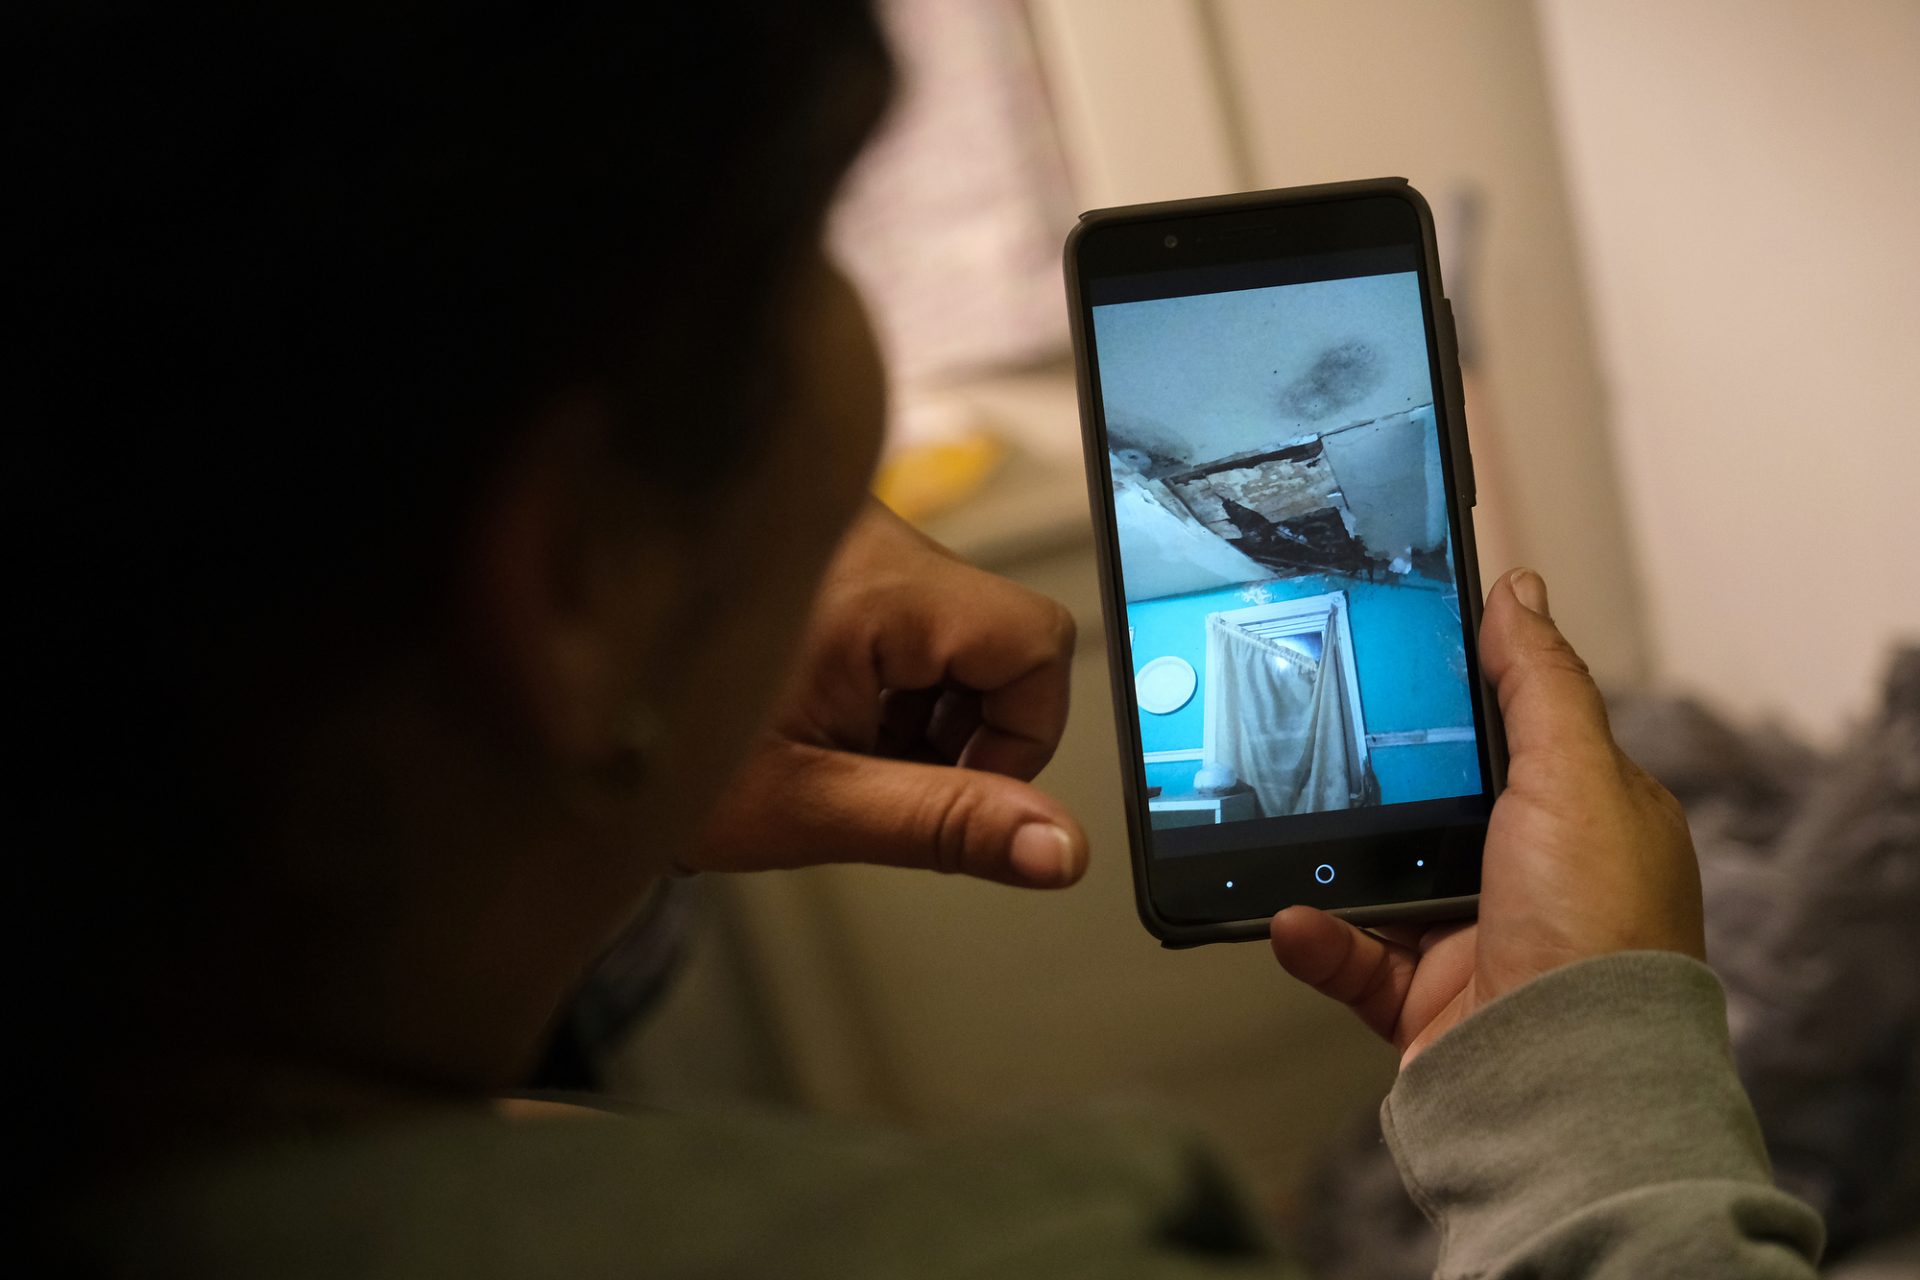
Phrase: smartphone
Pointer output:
(1278, 470)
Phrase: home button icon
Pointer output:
(1323, 873)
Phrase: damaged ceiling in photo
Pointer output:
(1272, 432)
(1363, 500)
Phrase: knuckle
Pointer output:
(1663, 799)
(1662, 805)
(1557, 655)
(953, 821)
(1062, 629)
(847, 610)
(1378, 974)
(1051, 622)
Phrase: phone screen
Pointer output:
(1287, 538)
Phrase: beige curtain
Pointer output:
(1280, 720)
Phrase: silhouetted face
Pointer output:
(465, 828)
(455, 838)
(760, 550)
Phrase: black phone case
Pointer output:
(1459, 461)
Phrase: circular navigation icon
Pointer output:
(1323, 873)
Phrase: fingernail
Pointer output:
(1042, 854)
(1530, 589)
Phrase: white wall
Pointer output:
(1134, 89)
(1453, 96)
(1747, 184)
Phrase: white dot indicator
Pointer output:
(1229, 884)
(1419, 862)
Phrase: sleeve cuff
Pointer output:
(1605, 1076)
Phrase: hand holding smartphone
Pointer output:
(1277, 460)
(1586, 855)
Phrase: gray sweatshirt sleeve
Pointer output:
(1590, 1124)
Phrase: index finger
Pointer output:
(1010, 645)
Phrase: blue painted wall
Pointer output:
(1406, 645)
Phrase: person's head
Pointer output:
(436, 417)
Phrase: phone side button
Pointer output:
(1451, 377)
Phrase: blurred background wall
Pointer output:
(1746, 184)
(1679, 237)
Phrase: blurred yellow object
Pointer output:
(922, 480)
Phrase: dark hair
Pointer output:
(293, 270)
(291, 277)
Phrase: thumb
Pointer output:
(819, 805)
(1547, 697)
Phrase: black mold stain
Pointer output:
(1338, 377)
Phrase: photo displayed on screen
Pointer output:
(1287, 557)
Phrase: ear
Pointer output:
(570, 591)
